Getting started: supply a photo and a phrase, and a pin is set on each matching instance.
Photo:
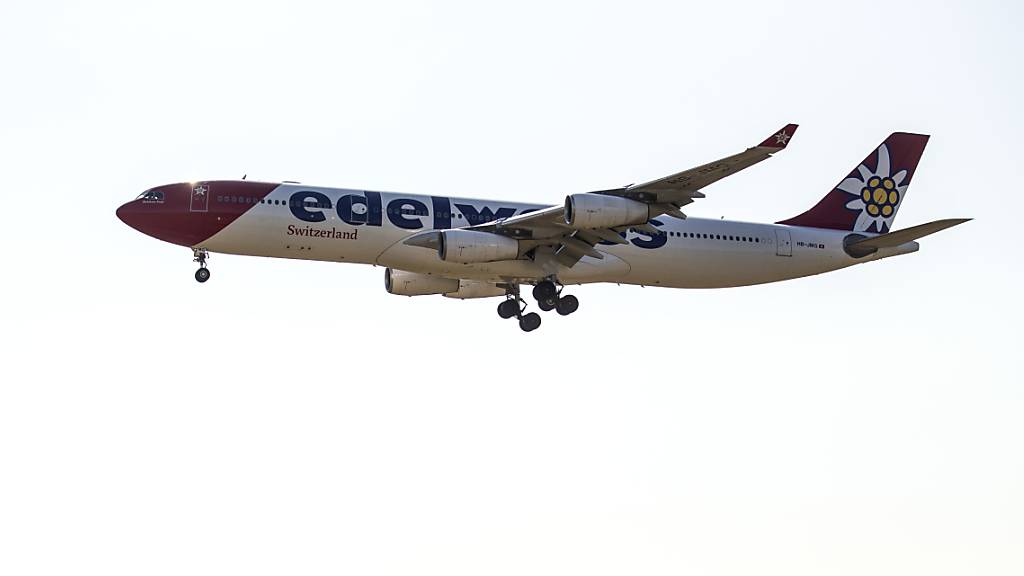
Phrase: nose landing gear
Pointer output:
(200, 255)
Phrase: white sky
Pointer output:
(292, 417)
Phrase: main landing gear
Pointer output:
(548, 296)
(200, 255)
(514, 306)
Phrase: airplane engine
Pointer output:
(470, 247)
(405, 283)
(475, 289)
(588, 211)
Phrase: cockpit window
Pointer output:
(152, 196)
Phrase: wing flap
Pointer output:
(580, 247)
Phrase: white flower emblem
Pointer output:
(878, 194)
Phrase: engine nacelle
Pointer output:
(471, 246)
(475, 289)
(588, 211)
(405, 283)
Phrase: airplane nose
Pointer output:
(127, 214)
(163, 213)
(187, 213)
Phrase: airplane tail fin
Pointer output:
(869, 197)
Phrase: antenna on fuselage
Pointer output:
(244, 175)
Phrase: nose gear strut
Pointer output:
(200, 255)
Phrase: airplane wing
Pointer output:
(569, 242)
(681, 188)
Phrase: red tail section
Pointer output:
(867, 199)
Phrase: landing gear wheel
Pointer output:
(545, 290)
(547, 304)
(530, 322)
(200, 255)
(508, 309)
(567, 305)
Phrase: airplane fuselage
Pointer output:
(355, 226)
(467, 248)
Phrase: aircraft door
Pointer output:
(200, 199)
(783, 242)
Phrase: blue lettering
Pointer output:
(442, 212)
(475, 217)
(395, 215)
(654, 240)
(350, 216)
(299, 207)
(376, 214)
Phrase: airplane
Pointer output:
(470, 248)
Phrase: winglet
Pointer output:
(780, 138)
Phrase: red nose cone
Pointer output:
(160, 213)
(165, 213)
(127, 215)
(189, 214)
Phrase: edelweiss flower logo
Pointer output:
(878, 193)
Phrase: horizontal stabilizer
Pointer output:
(859, 247)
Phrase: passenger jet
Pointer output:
(465, 248)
